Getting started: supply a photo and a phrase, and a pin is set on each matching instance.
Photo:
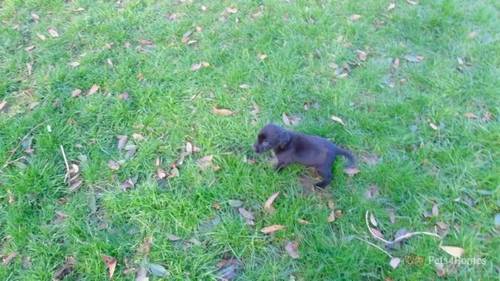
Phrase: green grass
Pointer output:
(169, 104)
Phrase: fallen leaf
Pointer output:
(174, 172)
(272, 228)
(110, 264)
(74, 181)
(34, 16)
(442, 228)
(268, 205)
(137, 137)
(198, 66)
(433, 126)
(12, 199)
(391, 6)
(411, 2)
(435, 210)
(292, 248)
(74, 64)
(487, 116)
(290, 120)
(145, 247)
(262, 56)
(456, 252)
(128, 184)
(93, 90)
(231, 10)
(337, 119)
(41, 36)
(370, 159)
(66, 269)
(122, 141)
(222, 111)
(29, 67)
(2, 105)
(172, 237)
(338, 213)
(6, 259)
(76, 93)
(377, 233)
(440, 270)
(351, 171)
(245, 213)
(394, 263)
(160, 173)
(53, 32)
(371, 192)
(395, 63)
(109, 62)
(235, 203)
(355, 17)
(206, 162)
(113, 165)
(472, 34)
(331, 217)
(302, 221)
(373, 220)
(244, 86)
(361, 55)
(29, 48)
(470, 115)
(142, 274)
(123, 96)
(157, 269)
(413, 58)
(228, 269)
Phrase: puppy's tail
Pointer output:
(351, 161)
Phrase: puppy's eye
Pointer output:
(261, 137)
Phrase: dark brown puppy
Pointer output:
(311, 151)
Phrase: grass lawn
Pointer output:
(124, 86)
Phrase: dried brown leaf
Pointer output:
(30, 48)
(470, 115)
(93, 90)
(371, 192)
(413, 58)
(41, 36)
(290, 120)
(338, 120)
(231, 10)
(6, 259)
(222, 111)
(302, 221)
(373, 220)
(292, 249)
(172, 237)
(411, 2)
(122, 141)
(456, 252)
(74, 64)
(113, 165)
(361, 55)
(128, 184)
(272, 228)
(53, 32)
(331, 217)
(268, 205)
(2, 105)
(440, 271)
(435, 210)
(391, 6)
(351, 171)
(76, 93)
(34, 16)
(160, 173)
(66, 269)
(354, 17)
(394, 263)
(110, 264)
(200, 65)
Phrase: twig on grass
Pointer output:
(66, 175)
(8, 161)
(400, 238)
(373, 245)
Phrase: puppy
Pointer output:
(312, 151)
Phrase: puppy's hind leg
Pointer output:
(326, 174)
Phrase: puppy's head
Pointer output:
(271, 136)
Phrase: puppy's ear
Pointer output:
(284, 138)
